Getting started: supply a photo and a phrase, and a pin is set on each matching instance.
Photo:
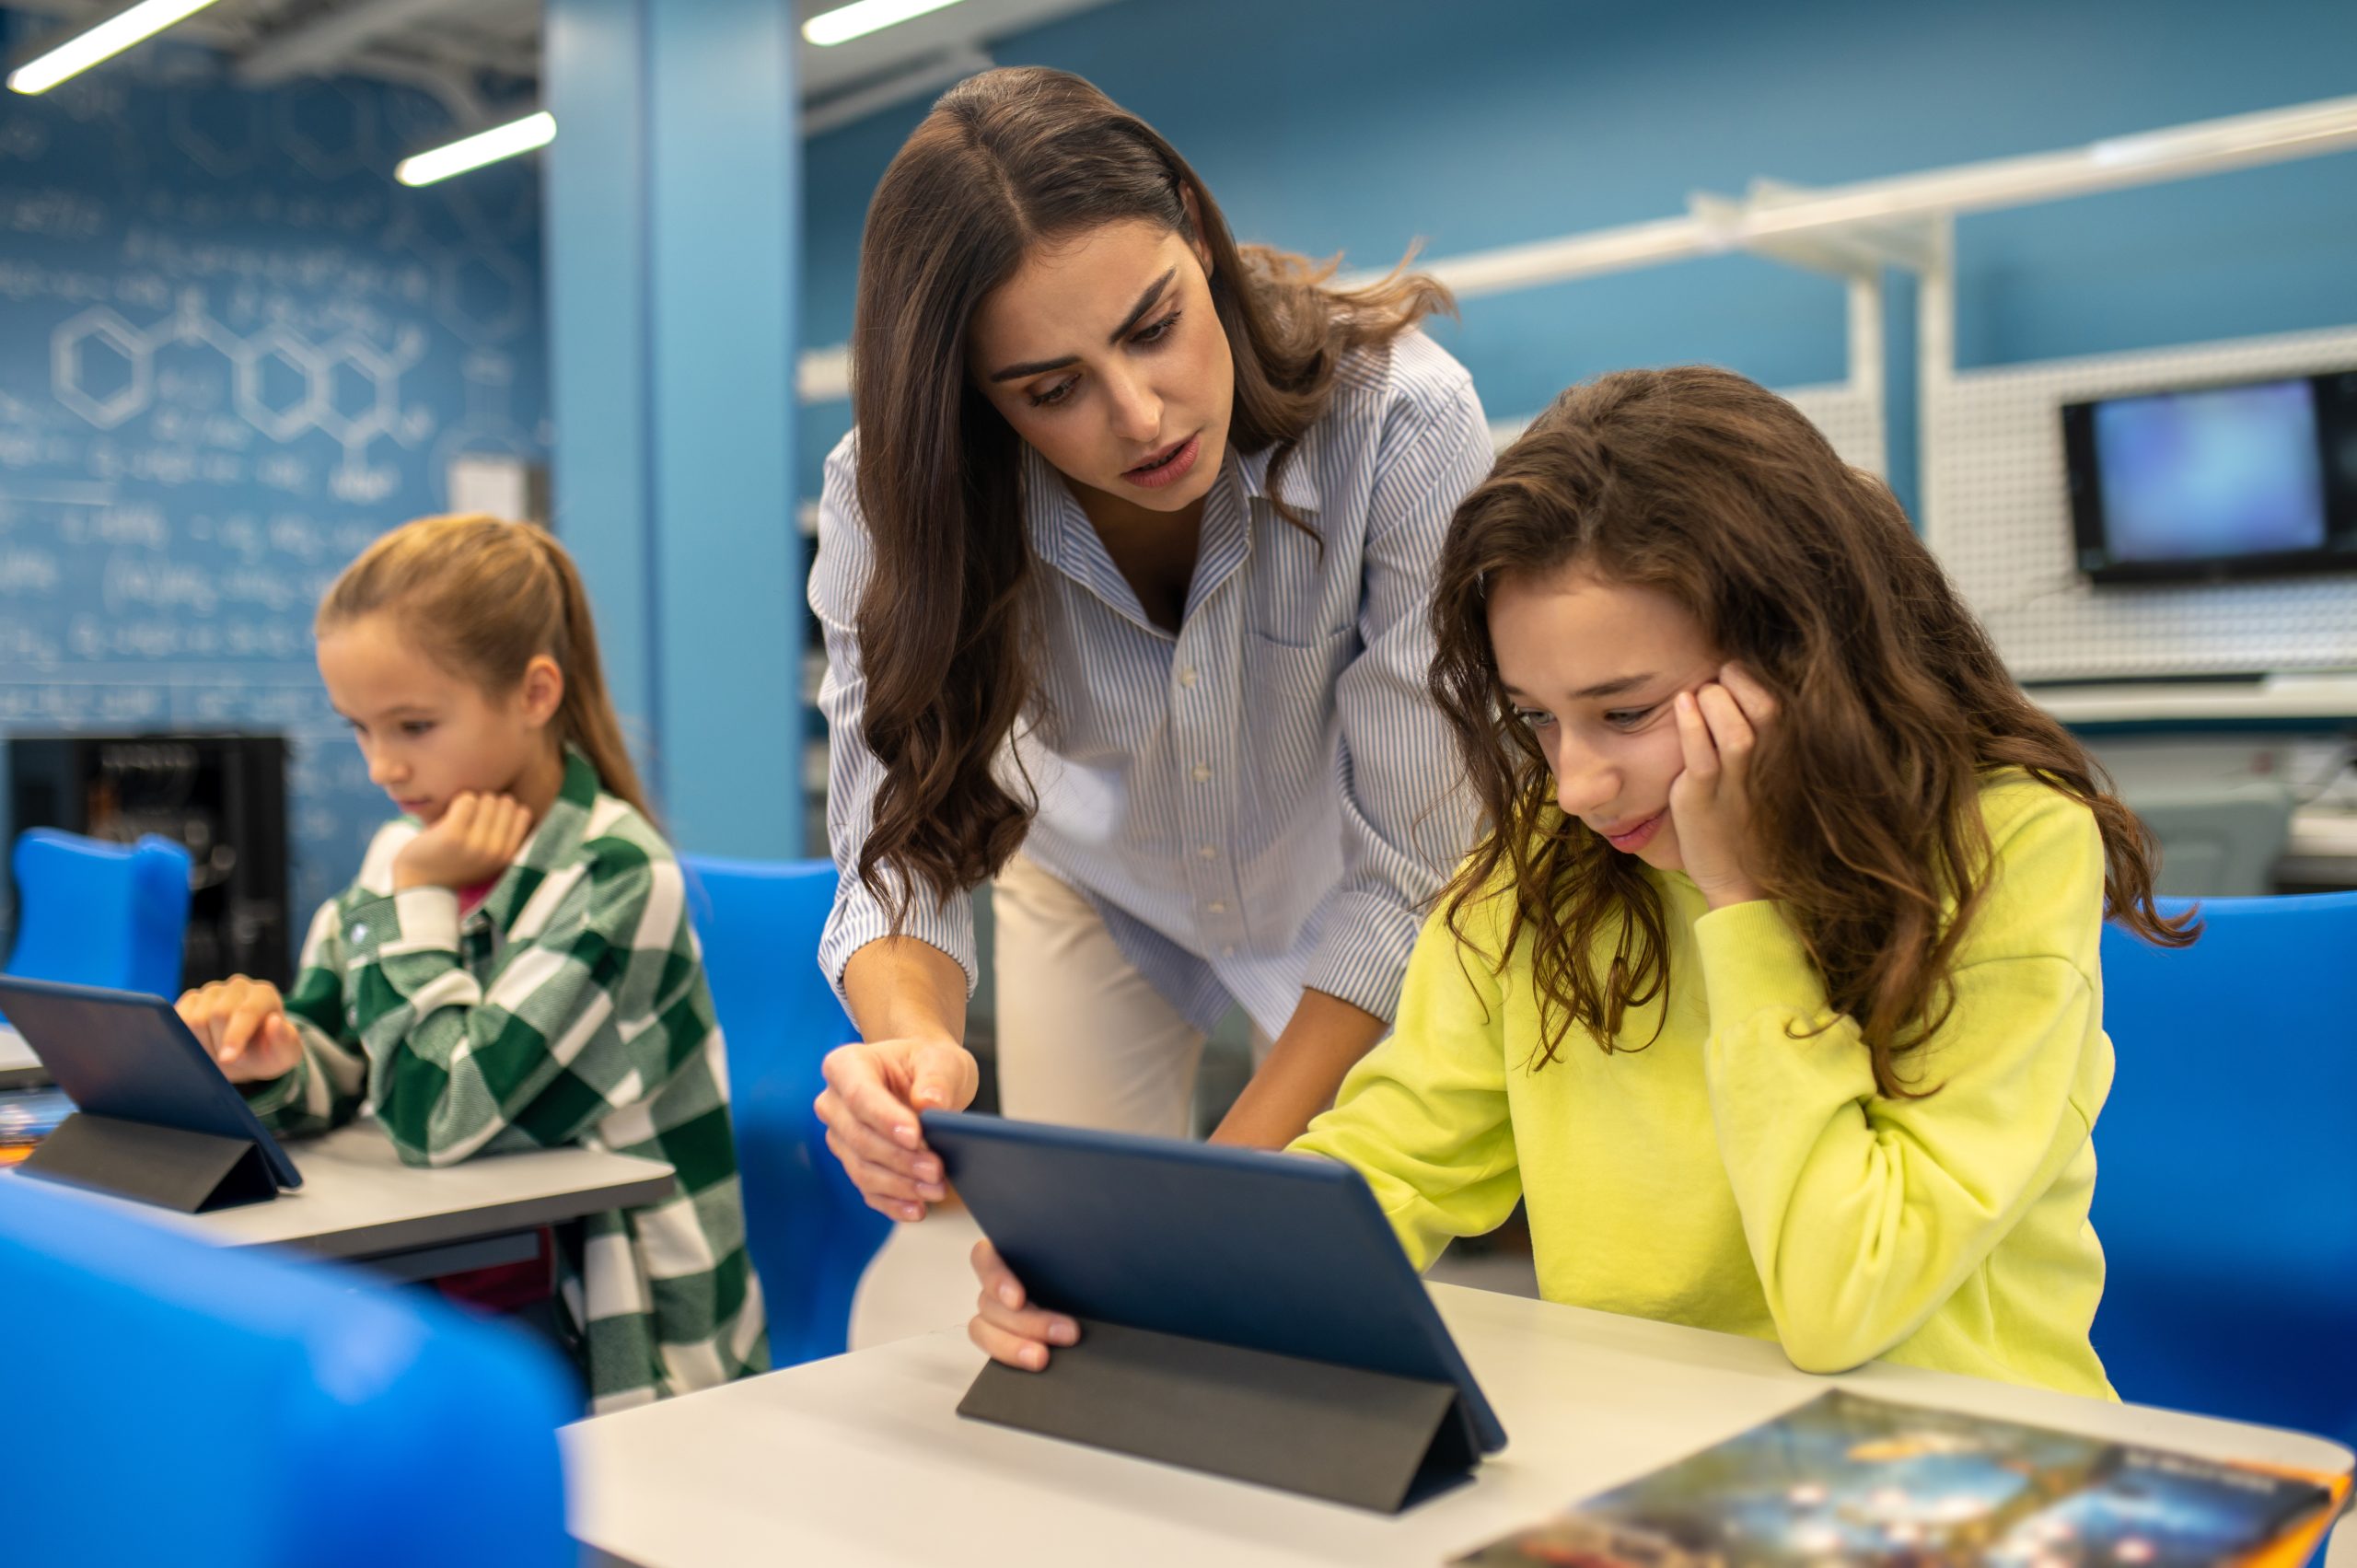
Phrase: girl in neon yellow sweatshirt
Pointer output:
(1772, 986)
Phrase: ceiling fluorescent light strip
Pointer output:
(472, 152)
(106, 41)
(864, 16)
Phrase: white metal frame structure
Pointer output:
(1854, 231)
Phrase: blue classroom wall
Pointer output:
(1363, 127)
(232, 352)
(159, 569)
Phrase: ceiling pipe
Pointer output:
(324, 43)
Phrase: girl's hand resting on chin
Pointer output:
(476, 839)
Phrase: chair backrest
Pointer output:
(809, 1233)
(178, 1402)
(96, 913)
(2226, 1165)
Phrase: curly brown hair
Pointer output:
(1007, 159)
(1894, 707)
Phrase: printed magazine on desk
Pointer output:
(1849, 1480)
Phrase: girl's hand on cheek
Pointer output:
(478, 838)
(1718, 726)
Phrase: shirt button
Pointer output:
(1227, 952)
(1218, 906)
(1187, 676)
(1207, 853)
(1203, 773)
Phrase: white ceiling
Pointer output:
(466, 50)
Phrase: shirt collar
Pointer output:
(1049, 507)
(1296, 484)
(561, 833)
(553, 843)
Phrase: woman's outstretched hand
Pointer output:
(874, 1090)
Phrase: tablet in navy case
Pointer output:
(153, 1118)
(1243, 1312)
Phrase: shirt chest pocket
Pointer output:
(1300, 588)
(1288, 700)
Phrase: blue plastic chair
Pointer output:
(810, 1234)
(96, 913)
(177, 1402)
(2226, 1166)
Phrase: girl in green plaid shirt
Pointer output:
(513, 968)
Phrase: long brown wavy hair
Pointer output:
(1008, 159)
(1893, 706)
(484, 597)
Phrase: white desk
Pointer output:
(359, 1201)
(863, 1460)
(2297, 695)
(2321, 850)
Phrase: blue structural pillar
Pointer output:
(673, 233)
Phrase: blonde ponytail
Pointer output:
(588, 714)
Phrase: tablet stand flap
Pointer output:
(168, 1167)
(1370, 1439)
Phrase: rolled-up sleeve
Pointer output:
(839, 575)
(1405, 821)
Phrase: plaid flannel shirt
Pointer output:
(569, 1007)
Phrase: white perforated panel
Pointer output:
(1850, 419)
(2000, 518)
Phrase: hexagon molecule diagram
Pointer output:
(103, 368)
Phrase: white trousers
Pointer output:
(1083, 1038)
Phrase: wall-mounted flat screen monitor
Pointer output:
(2196, 483)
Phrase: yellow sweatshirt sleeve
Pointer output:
(1864, 1214)
(1423, 1115)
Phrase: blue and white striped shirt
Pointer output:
(1266, 800)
